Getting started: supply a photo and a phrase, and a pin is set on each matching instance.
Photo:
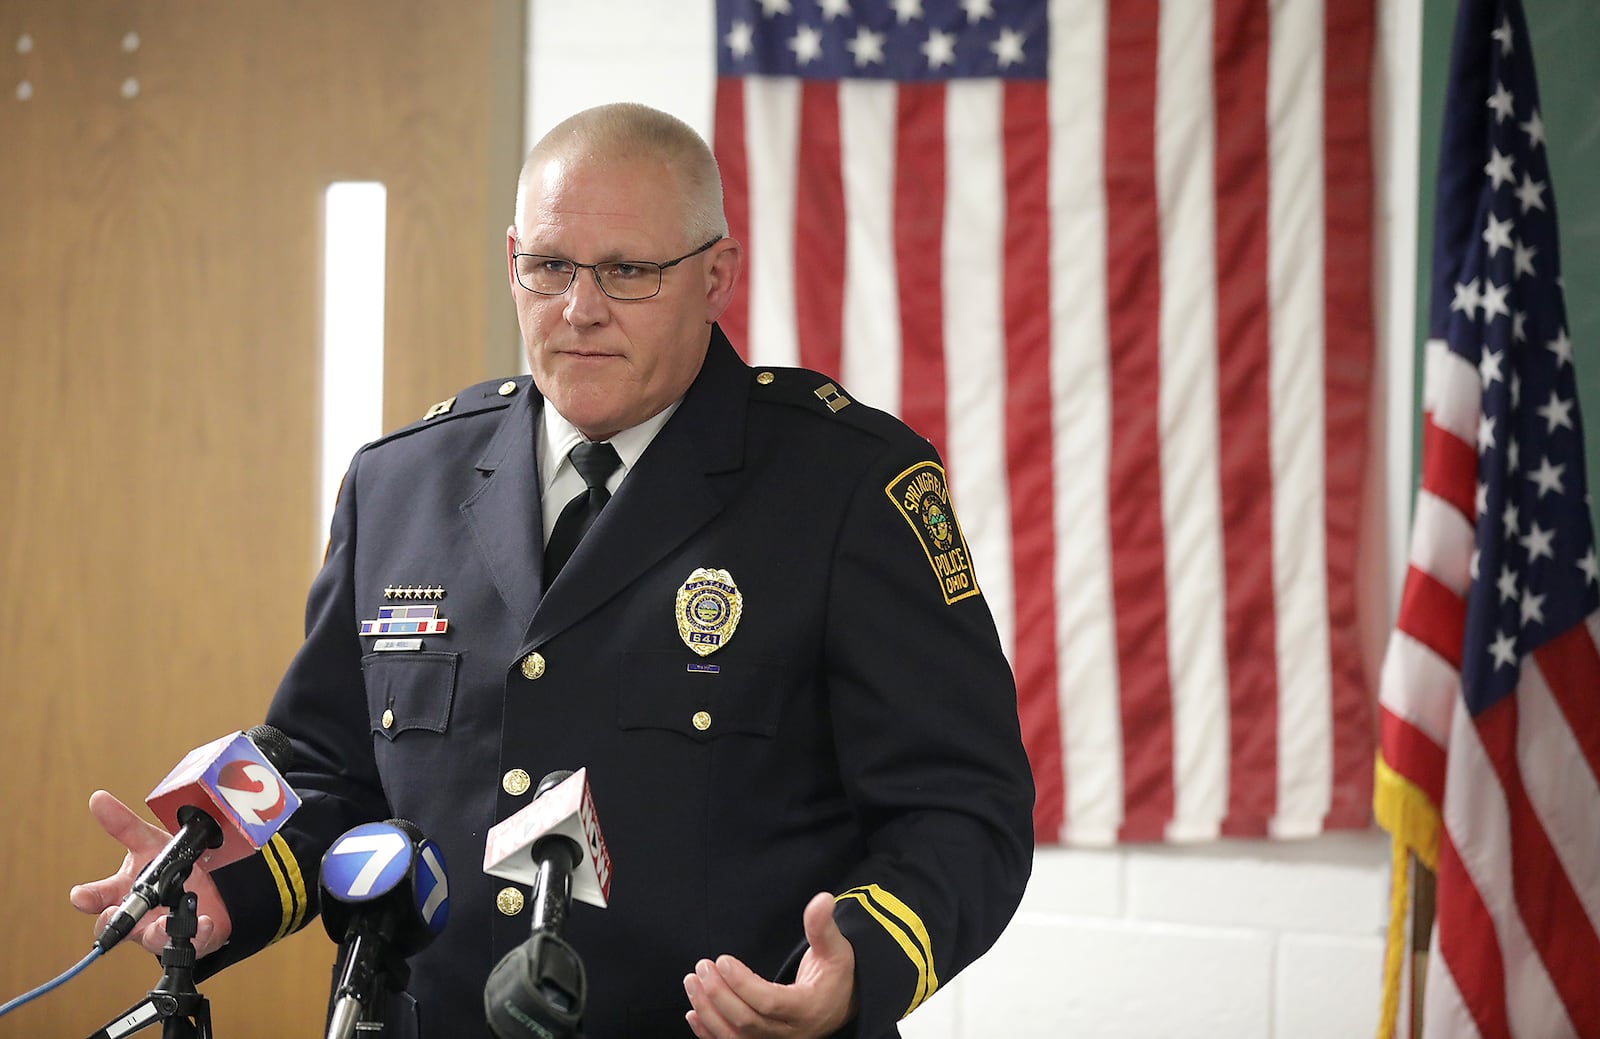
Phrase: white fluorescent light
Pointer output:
(352, 330)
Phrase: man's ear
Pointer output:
(511, 248)
(722, 275)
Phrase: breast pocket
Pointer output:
(409, 691)
(743, 697)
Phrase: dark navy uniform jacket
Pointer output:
(859, 734)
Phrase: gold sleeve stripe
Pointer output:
(285, 870)
(912, 952)
(908, 931)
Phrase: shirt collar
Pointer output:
(557, 436)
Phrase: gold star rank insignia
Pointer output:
(923, 498)
(709, 608)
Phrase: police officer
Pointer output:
(756, 624)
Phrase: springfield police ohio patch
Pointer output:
(923, 498)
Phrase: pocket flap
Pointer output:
(410, 691)
(744, 696)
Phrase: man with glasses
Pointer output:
(736, 596)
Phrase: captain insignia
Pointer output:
(440, 408)
(923, 498)
(830, 395)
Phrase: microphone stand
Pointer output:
(183, 1012)
(351, 1013)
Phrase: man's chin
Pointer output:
(594, 415)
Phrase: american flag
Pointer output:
(1490, 696)
(1114, 260)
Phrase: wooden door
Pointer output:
(162, 167)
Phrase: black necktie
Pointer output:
(595, 463)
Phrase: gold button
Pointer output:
(516, 782)
(532, 666)
(509, 901)
(507, 388)
(702, 720)
(388, 719)
(765, 378)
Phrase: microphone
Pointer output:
(385, 897)
(562, 806)
(555, 843)
(222, 802)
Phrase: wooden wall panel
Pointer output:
(159, 344)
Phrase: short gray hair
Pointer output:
(627, 130)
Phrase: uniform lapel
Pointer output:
(504, 513)
(666, 497)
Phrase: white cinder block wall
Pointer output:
(1236, 939)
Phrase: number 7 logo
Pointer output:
(382, 846)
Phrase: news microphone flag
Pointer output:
(1490, 698)
(224, 801)
(233, 782)
(567, 810)
(370, 861)
(385, 894)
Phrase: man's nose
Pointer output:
(586, 303)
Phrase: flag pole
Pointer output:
(1422, 886)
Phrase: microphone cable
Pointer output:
(50, 986)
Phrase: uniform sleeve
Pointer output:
(321, 706)
(925, 713)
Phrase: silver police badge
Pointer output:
(709, 608)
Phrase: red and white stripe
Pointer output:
(1131, 308)
(1517, 940)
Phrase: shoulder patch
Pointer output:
(923, 499)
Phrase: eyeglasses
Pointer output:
(620, 279)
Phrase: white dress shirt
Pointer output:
(559, 482)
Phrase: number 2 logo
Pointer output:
(251, 790)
